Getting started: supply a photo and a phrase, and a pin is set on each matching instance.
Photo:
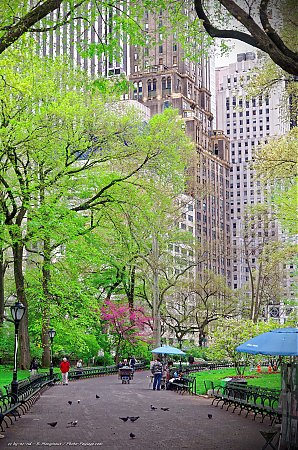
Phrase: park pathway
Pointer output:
(184, 426)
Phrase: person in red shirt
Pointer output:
(64, 367)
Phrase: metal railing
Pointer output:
(90, 372)
(207, 366)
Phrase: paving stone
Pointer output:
(184, 426)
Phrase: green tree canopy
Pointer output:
(254, 22)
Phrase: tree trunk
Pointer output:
(132, 288)
(155, 300)
(46, 277)
(257, 294)
(2, 272)
(289, 399)
(24, 349)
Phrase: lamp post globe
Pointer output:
(52, 333)
(17, 312)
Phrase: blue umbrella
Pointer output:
(168, 350)
(282, 341)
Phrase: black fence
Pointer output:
(90, 372)
(206, 366)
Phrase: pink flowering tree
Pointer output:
(127, 326)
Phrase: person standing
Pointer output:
(157, 370)
(79, 366)
(191, 360)
(132, 363)
(64, 367)
(34, 366)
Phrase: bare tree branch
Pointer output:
(265, 39)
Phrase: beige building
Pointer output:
(162, 78)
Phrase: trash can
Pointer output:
(238, 383)
(224, 381)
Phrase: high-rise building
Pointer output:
(248, 122)
(161, 78)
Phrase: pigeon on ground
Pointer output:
(165, 409)
(132, 436)
(52, 424)
(133, 419)
(209, 416)
(153, 407)
(73, 423)
(69, 402)
(97, 396)
(123, 418)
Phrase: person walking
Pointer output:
(64, 367)
(156, 371)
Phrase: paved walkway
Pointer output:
(185, 426)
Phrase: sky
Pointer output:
(236, 47)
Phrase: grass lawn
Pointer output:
(6, 375)
(272, 380)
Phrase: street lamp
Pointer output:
(17, 313)
(52, 334)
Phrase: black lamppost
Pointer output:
(52, 334)
(17, 312)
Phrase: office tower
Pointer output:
(77, 40)
(162, 78)
(248, 122)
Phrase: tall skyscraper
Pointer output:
(161, 78)
(248, 122)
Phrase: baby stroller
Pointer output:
(126, 374)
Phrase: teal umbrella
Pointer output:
(167, 350)
(281, 342)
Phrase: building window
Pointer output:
(140, 89)
(160, 49)
(174, 47)
(169, 85)
(152, 88)
(174, 60)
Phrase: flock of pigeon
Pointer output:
(74, 423)
(134, 418)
